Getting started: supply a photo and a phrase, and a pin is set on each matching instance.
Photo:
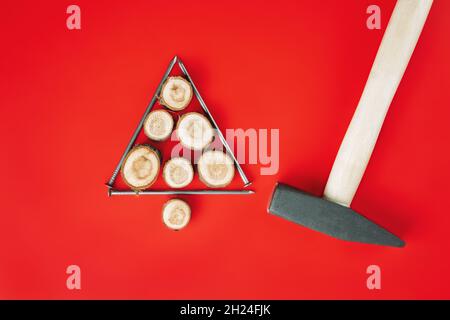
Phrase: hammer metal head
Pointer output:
(328, 217)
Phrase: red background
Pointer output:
(71, 99)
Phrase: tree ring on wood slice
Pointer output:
(158, 125)
(141, 167)
(176, 93)
(178, 172)
(176, 214)
(215, 168)
(194, 131)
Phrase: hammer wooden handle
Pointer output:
(393, 55)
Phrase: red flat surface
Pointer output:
(70, 101)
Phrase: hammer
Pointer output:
(332, 214)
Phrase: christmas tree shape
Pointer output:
(138, 135)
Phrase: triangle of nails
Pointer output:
(110, 183)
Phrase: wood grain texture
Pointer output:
(397, 46)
